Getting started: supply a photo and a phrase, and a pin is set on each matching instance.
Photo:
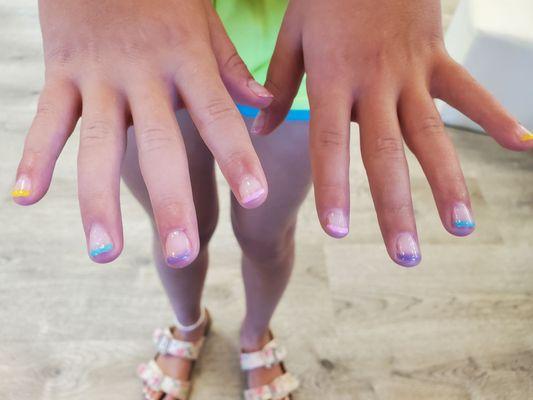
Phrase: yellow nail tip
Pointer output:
(526, 137)
(20, 193)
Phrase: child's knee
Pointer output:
(265, 247)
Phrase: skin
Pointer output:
(267, 253)
(102, 65)
(389, 64)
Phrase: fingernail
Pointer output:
(250, 190)
(337, 223)
(178, 248)
(525, 134)
(407, 251)
(462, 217)
(22, 187)
(99, 241)
(259, 123)
(259, 90)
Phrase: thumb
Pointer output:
(284, 78)
(238, 80)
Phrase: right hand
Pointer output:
(120, 62)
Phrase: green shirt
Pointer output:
(253, 26)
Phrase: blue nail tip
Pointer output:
(464, 224)
(101, 250)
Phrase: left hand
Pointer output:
(381, 63)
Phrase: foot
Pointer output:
(260, 376)
(174, 367)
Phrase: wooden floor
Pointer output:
(357, 327)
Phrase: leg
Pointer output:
(183, 286)
(266, 234)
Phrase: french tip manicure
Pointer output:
(101, 250)
(407, 251)
(259, 123)
(250, 190)
(179, 261)
(463, 221)
(22, 187)
(525, 134)
(178, 249)
(99, 241)
(337, 223)
(259, 90)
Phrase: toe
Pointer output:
(153, 395)
(146, 393)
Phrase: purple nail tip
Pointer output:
(253, 197)
(409, 260)
(177, 260)
(337, 231)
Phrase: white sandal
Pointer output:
(283, 386)
(152, 376)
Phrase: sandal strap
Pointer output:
(280, 388)
(268, 356)
(167, 344)
(156, 380)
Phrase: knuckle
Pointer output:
(94, 132)
(394, 210)
(389, 147)
(431, 125)
(45, 110)
(217, 111)
(234, 160)
(32, 157)
(169, 209)
(61, 55)
(329, 138)
(155, 138)
(233, 62)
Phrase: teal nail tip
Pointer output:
(101, 250)
(464, 224)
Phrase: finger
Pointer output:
(164, 167)
(56, 117)
(454, 85)
(330, 157)
(285, 75)
(388, 175)
(241, 85)
(222, 129)
(102, 146)
(424, 134)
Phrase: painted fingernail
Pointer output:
(178, 248)
(22, 187)
(337, 223)
(462, 218)
(250, 190)
(259, 123)
(525, 134)
(259, 90)
(407, 251)
(99, 241)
